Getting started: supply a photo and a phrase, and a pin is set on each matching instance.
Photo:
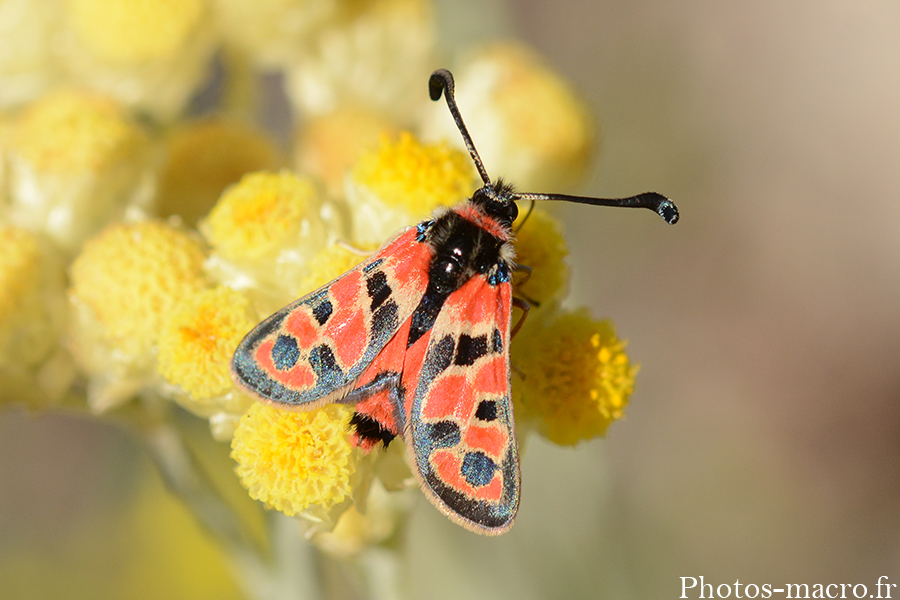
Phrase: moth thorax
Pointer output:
(462, 249)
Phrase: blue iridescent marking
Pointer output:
(497, 341)
(372, 266)
(421, 228)
(499, 275)
(478, 469)
(285, 352)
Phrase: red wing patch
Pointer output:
(461, 433)
(379, 405)
(314, 350)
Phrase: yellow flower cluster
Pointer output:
(76, 161)
(263, 230)
(345, 62)
(199, 339)
(150, 54)
(294, 460)
(256, 216)
(131, 277)
(136, 30)
(181, 235)
(204, 157)
(124, 286)
(71, 132)
(32, 313)
(541, 246)
(402, 181)
(576, 377)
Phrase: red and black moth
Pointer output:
(417, 339)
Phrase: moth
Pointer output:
(417, 339)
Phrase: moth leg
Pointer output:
(517, 371)
(525, 218)
(353, 249)
(525, 306)
(525, 269)
(528, 271)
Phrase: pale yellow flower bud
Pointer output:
(77, 162)
(528, 124)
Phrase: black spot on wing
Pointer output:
(469, 349)
(378, 289)
(425, 314)
(385, 320)
(443, 434)
(325, 366)
(441, 355)
(285, 352)
(487, 410)
(322, 311)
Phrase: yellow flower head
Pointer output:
(416, 177)
(328, 145)
(27, 59)
(293, 461)
(270, 32)
(131, 31)
(540, 245)
(528, 124)
(31, 307)
(262, 214)
(371, 53)
(19, 267)
(71, 132)
(151, 54)
(328, 264)
(206, 157)
(132, 276)
(76, 162)
(403, 180)
(576, 376)
(199, 339)
(33, 369)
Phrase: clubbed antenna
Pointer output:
(441, 82)
(655, 202)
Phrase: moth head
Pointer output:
(497, 200)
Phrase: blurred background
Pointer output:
(761, 441)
